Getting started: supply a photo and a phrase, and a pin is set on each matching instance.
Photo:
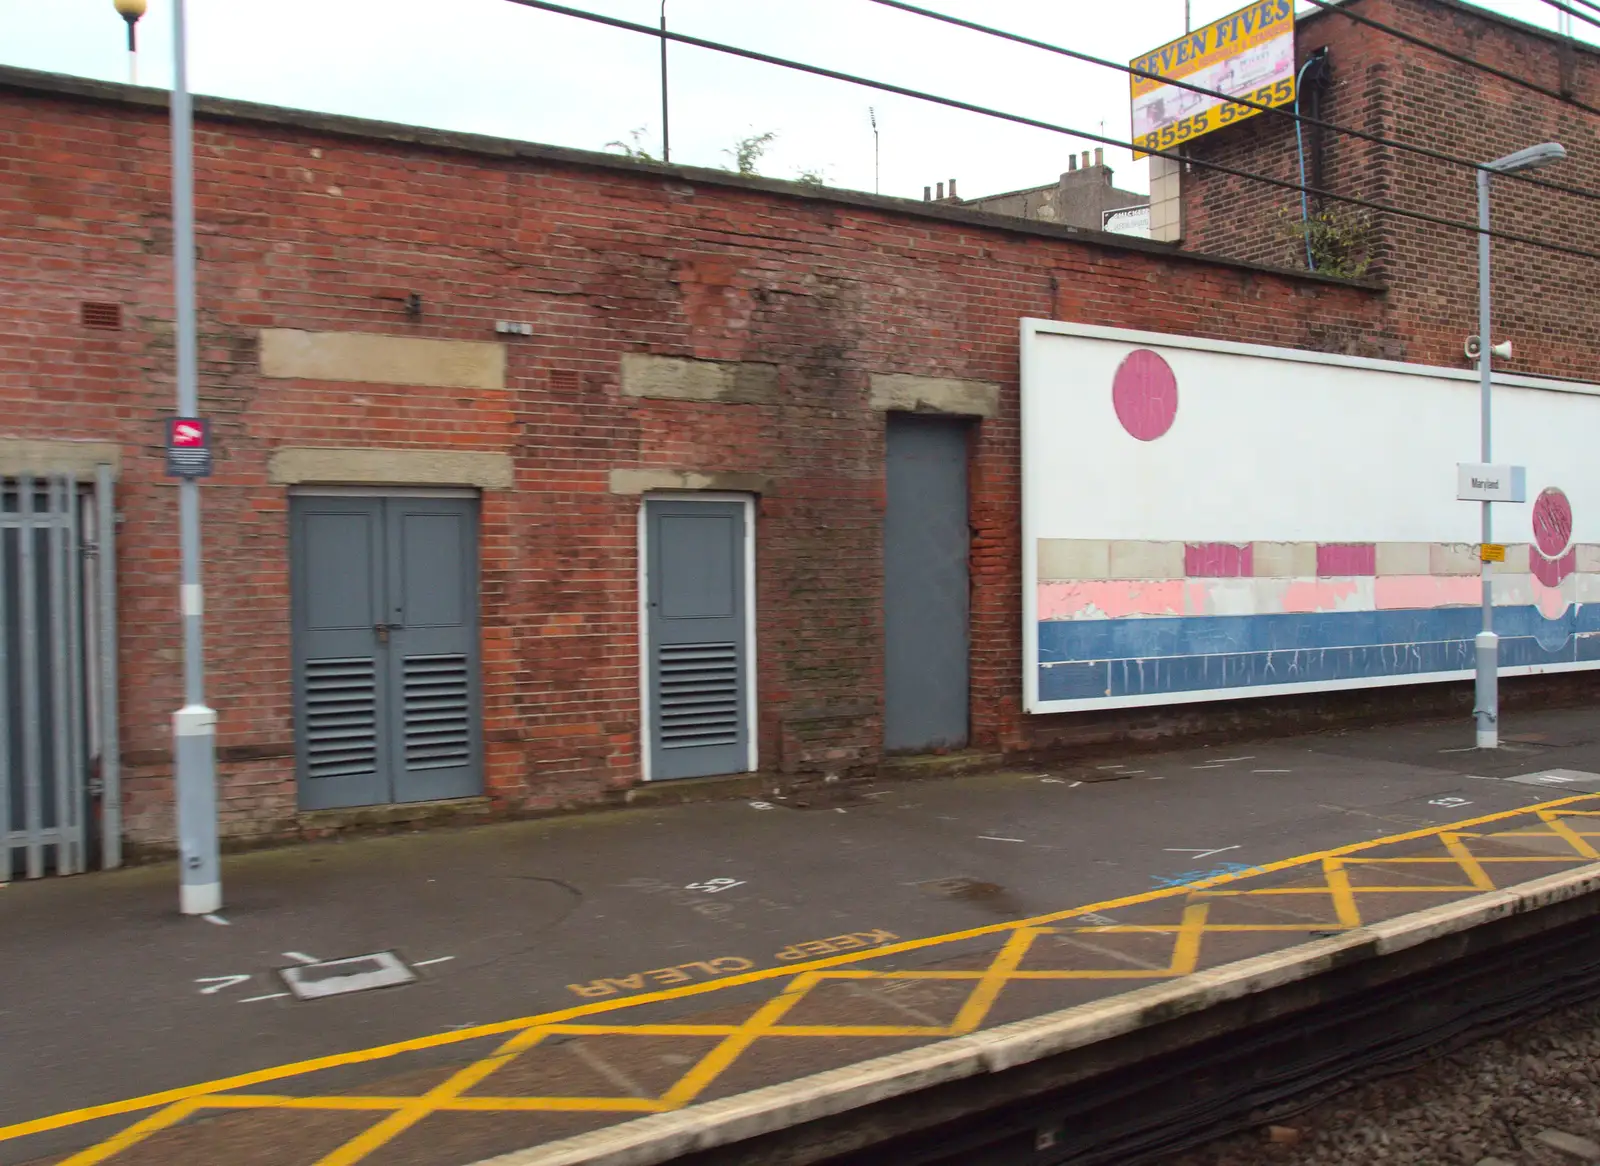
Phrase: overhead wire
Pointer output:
(1449, 55)
(1278, 111)
(1560, 7)
(1037, 123)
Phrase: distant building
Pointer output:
(1544, 301)
(1082, 197)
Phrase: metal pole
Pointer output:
(1487, 645)
(194, 726)
(877, 185)
(105, 529)
(1188, 25)
(666, 135)
(133, 48)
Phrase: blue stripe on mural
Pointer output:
(1249, 659)
(1068, 640)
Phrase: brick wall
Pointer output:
(305, 222)
(1544, 302)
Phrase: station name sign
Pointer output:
(1477, 482)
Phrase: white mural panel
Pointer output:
(1206, 520)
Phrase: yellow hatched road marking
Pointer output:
(1570, 836)
(733, 1040)
(418, 1108)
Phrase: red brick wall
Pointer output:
(1544, 302)
(301, 226)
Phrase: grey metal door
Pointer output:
(697, 639)
(385, 634)
(431, 591)
(925, 586)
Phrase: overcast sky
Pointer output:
(494, 67)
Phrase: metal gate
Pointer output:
(57, 674)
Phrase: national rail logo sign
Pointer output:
(1249, 53)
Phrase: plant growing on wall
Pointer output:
(814, 177)
(746, 152)
(1337, 240)
(631, 148)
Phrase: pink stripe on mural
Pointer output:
(1421, 592)
(1218, 560)
(1111, 599)
(1346, 559)
(1340, 595)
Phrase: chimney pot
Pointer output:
(941, 192)
(1086, 159)
(927, 194)
(1072, 163)
(1099, 156)
(952, 188)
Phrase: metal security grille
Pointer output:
(699, 694)
(341, 717)
(438, 712)
(57, 674)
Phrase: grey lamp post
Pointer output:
(194, 726)
(666, 137)
(1487, 710)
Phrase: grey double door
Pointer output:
(386, 649)
(698, 642)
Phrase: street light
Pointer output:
(131, 11)
(1487, 644)
(194, 726)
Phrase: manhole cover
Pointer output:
(824, 797)
(1553, 740)
(357, 973)
(1561, 779)
(970, 890)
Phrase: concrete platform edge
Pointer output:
(663, 1137)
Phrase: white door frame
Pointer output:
(748, 502)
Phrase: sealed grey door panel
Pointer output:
(386, 660)
(697, 638)
(433, 636)
(926, 588)
(341, 692)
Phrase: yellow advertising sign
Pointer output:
(1492, 553)
(1249, 53)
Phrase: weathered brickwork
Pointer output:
(1544, 302)
(323, 225)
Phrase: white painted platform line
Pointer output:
(215, 984)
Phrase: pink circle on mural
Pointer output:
(1145, 394)
(1552, 522)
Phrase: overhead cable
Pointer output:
(1280, 111)
(1560, 7)
(1036, 123)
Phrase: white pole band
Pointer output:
(199, 899)
(191, 600)
(194, 720)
